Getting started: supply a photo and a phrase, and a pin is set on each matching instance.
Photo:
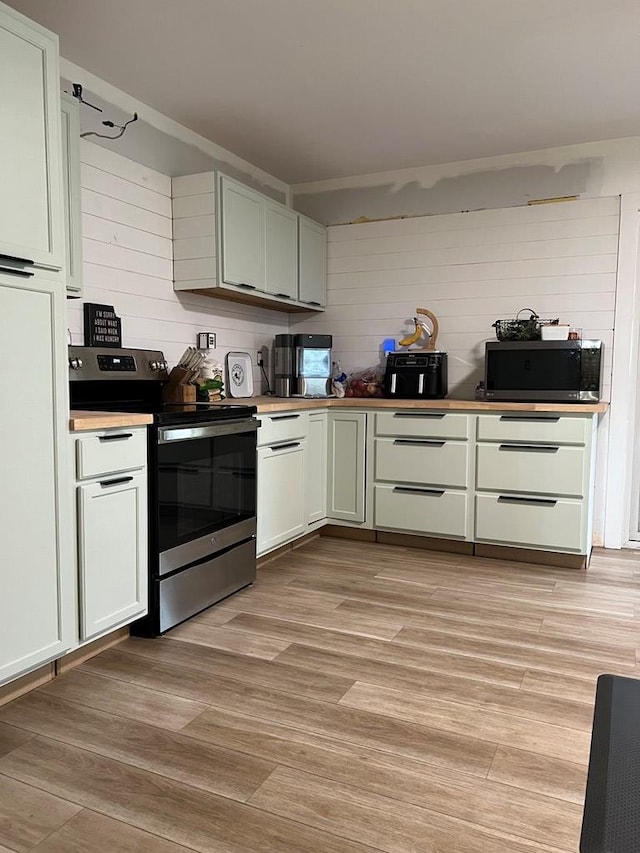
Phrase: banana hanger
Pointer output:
(421, 328)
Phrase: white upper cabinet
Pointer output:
(242, 225)
(31, 209)
(233, 242)
(70, 114)
(281, 251)
(313, 263)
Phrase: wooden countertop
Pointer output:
(278, 404)
(79, 421)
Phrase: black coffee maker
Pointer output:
(416, 375)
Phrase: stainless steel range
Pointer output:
(202, 482)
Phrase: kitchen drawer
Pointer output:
(545, 469)
(554, 525)
(421, 460)
(423, 424)
(534, 428)
(435, 512)
(111, 451)
(282, 426)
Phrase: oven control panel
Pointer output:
(113, 363)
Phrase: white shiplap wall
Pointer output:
(470, 269)
(127, 248)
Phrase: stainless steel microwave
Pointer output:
(539, 371)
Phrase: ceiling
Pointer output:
(315, 89)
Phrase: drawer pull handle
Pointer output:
(283, 295)
(20, 273)
(420, 442)
(246, 286)
(313, 302)
(17, 260)
(407, 490)
(529, 418)
(531, 448)
(285, 446)
(117, 482)
(506, 499)
(418, 415)
(284, 417)
(118, 437)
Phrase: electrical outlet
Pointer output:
(206, 340)
(260, 358)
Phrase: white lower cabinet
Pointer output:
(421, 474)
(515, 479)
(528, 522)
(316, 468)
(112, 552)
(534, 481)
(112, 526)
(281, 494)
(429, 511)
(346, 451)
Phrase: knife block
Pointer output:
(178, 389)
(180, 394)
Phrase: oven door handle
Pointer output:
(209, 431)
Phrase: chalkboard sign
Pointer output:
(102, 328)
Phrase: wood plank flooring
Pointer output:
(357, 698)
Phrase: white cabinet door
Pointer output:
(281, 251)
(346, 442)
(312, 263)
(37, 587)
(242, 231)
(316, 468)
(31, 210)
(112, 549)
(281, 489)
(71, 193)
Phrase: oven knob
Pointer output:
(154, 365)
(75, 363)
(164, 365)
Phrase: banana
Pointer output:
(415, 337)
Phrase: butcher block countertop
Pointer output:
(278, 404)
(79, 421)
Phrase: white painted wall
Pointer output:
(127, 247)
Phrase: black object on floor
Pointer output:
(611, 817)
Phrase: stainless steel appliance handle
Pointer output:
(209, 431)
(420, 442)
(418, 414)
(533, 448)
(508, 499)
(408, 490)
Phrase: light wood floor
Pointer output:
(358, 697)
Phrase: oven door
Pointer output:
(205, 489)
